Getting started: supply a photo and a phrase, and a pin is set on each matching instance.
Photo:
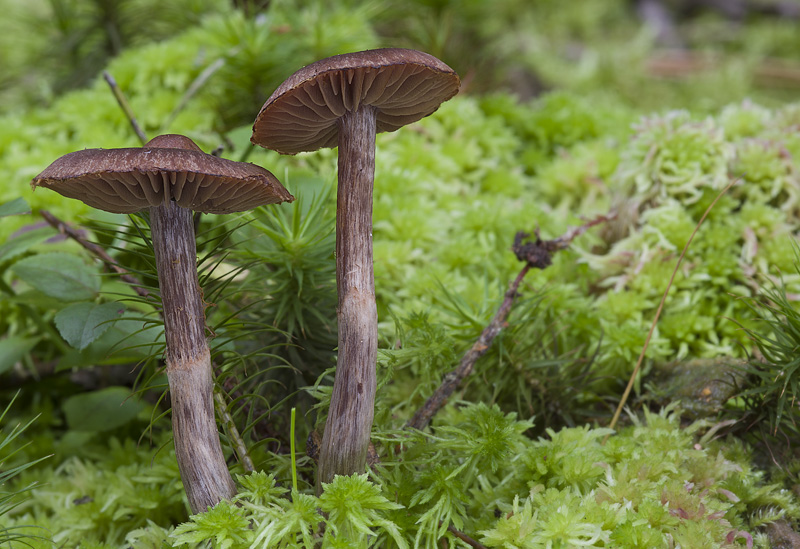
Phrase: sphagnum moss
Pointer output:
(654, 483)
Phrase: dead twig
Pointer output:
(262, 429)
(660, 308)
(465, 538)
(236, 439)
(96, 250)
(126, 108)
(657, 16)
(195, 86)
(535, 254)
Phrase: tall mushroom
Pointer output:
(171, 176)
(344, 100)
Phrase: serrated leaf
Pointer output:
(16, 207)
(60, 275)
(101, 410)
(82, 323)
(22, 242)
(13, 348)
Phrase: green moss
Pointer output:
(100, 500)
(673, 156)
(654, 484)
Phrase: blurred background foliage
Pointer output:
(651, 54)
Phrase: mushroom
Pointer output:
(171, 176)
(344, 100)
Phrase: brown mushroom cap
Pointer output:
(403, 85)
(168, 167)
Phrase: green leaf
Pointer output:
(16, 207)
(101, 410)
(13, 348)
(21, 243)
(60, 275)
(81, 323)
(129, 339)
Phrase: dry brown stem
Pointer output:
(660, 308)
(63, 228)
(465, 538)
(535, 254)
(125, 106)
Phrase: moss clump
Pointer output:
(100, 498)
(654, 484)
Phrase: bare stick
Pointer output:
(126, 108)
(465, 538)
(194, 87)
(536, 254)
(656, 15)
(237, 441)
(262, 429)
(95, 249)
(658, 312)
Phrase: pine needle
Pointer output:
(658, 312)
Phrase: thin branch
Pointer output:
(237, 442)
(194, 87)
(261, 430)
(465, 538)
(636, 368)
(98, 251)
(89, 379)
(536, 254)
(126, 108)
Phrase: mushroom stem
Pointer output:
(204, 472)
(347, 430)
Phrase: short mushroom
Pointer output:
(344, 100)
(171, 176)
